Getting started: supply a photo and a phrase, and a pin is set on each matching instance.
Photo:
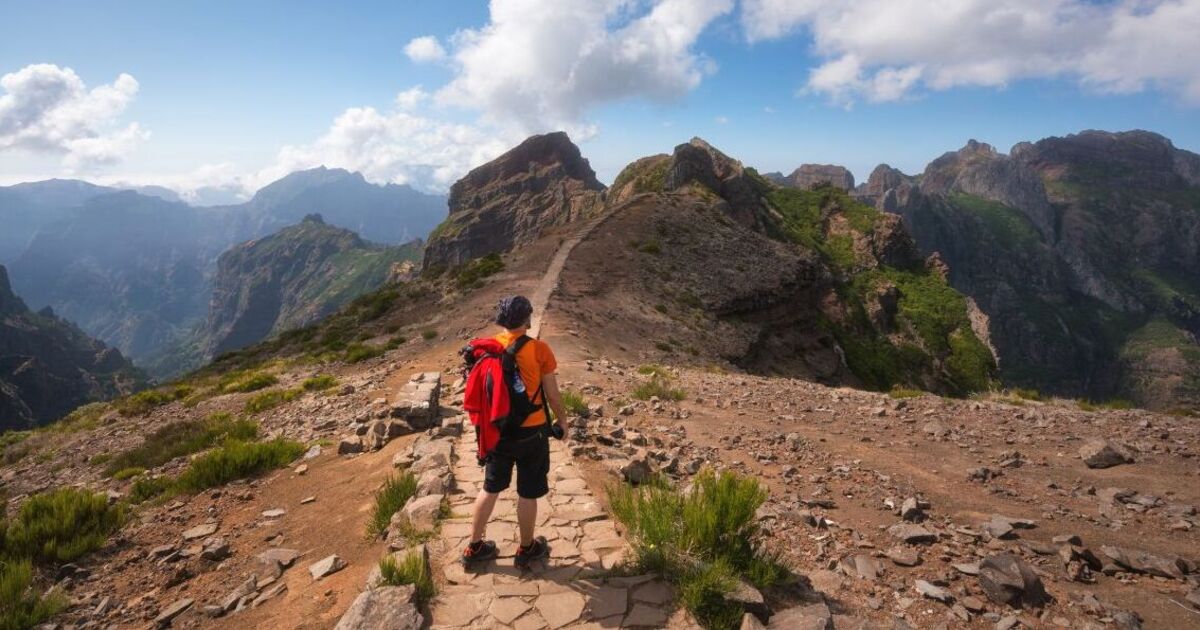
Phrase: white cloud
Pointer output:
(411, 98)
(721, 120)
(397, 147)
(543, 65)
(885, 50)
(48, 109)
(424, 49)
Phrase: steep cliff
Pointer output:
(291, 279)
(542, 182)
(48, 366)
(1083, 250)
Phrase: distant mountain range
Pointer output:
(1084, 251)
(136, 269)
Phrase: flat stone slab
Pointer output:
(326, 566)
(200, 531)
(560, 609)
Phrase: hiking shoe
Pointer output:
(480, 551)
(536, 550)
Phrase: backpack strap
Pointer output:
(510, 355)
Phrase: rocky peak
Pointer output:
(543, 182)
(809, 175)
(700, 163)
(883, 179)
(978, 169)
(9, 302)
(315, 218)
(1136, 158)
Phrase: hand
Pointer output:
(559, 430)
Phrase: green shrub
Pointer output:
(21, 605)
(251, 382)
(574, 403)
(904, 392)
(146, 488)
(653, 369)
(61, 525)
(396, 342)
(179, 439)
(271, 399)
(660, 387)
(703, 541)
(472, 274)
(396, 491)
(429, 335)
(144, 402)
(359, 352)
(128, 473)
(320, 382)
(410, 570)
(237, 460)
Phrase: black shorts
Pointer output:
(529, 450)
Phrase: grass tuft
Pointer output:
(702, 541)
(21, 605)
(658, 387)
(320, 382)
(574, 402)
(359, 352)
(411, 570)
(271, 399)
(395, 492)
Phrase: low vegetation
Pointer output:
(574, 402)
(146, 401)
(702, 541)
(61, 525)
(411, 569)
(235, 459)
(271, 399)
(658, 387)
(472, 274)
(249, 382)
(177, 440)
(359, 352)
(319, 383)
(21, 604)
(395, 492)
(429, 335)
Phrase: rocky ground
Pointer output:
(919, 512)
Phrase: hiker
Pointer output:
(521, 437)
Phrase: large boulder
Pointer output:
(1006, 579)
(1104, 454)
(390, 607)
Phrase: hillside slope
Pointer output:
(1083, 250)
(712, 262)
(291, 279)
(48, 367)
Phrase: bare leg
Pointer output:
(526, 519)
(484, 503)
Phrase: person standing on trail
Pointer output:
(523, 444)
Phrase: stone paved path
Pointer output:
(549, 282)
(573, 589)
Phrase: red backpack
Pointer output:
(495, 397)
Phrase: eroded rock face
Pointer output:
(1046, 239)
(809, 175)
(740, 194)
(292, 278)
(543, 182)
(392, 607)
(48, 366)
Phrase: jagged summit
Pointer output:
(542, 182)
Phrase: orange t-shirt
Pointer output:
(534, 360)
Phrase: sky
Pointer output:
(220, 98)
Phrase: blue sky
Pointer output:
(235, 94)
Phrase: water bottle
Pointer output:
(518, 384)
